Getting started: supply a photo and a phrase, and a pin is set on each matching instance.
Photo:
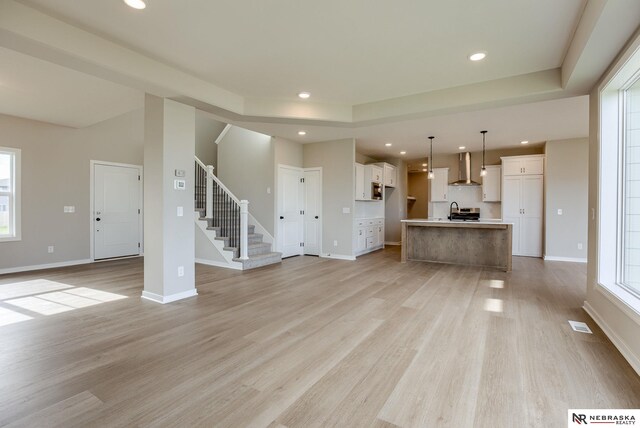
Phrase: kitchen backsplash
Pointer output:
(466, 197)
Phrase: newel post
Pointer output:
(244, 229)
(209, 197)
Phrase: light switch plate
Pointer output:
(180, 211)
(180, 173)
(180, 270)
(179, 184)
(69, 209)
(346, 210)
(559, 211)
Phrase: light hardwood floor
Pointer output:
(311, 342)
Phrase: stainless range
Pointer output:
(465, 214)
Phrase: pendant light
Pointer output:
(430, 175)
(483, 170)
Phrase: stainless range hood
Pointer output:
(464, 171)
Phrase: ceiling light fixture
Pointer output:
(483, 170)
(461, 148)
(304, 95)
(430, 175)
(388, 144)
(403, 152)
(478, 56)
(302, 132)
(136, 4)
(524, 142)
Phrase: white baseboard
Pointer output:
(168, 299)
(564, 259)
(337, 257)
(45, 266)
(392, 243)
(219, 264)
(628, 355)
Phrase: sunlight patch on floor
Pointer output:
(493, 305)
(44, 297)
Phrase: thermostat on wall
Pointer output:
(179, 184)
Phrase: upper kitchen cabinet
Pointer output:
(361, 189)
(439, 185)
(374, 173)
(523, 165)
(390, 176)
(491, 184)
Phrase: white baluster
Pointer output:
(209, 197)
(244, 229)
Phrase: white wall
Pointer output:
(566, 188)
(337, 159)
(207, 130)
(55, 173)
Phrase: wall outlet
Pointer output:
(69, 209)
(180, 270)
(50, 249)
(180, 211)
(579, 245)
(346, 210)
(268, 190)
(335, 243)
(559, 211)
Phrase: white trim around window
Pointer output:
(13, 193)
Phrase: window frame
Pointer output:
(14, 195)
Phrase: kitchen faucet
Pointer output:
(451, 208)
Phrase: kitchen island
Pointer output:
(478, 243)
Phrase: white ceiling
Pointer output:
(378, 72)
(39, 90)
(344, 52)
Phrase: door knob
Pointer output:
(281, 217)
(316, 217)
(98, 219)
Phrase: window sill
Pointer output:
(622, 299)
(10, 239)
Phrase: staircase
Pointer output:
(224, 236)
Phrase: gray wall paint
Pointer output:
(55, 173)
(337, 159)
(566, 188)
(246, 167)
(287, 153)
(207, 130)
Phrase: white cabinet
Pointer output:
(373, 173)
(439, 185)
(369, 235)
(522, 199)
(390, 175)
(523, 165)
(360, 188)
(491, 184)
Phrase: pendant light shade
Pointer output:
(430, 175)
(483, 170)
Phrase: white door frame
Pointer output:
(92, 164)
(276, 229)
(319, 169)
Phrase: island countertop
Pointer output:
(477, 243)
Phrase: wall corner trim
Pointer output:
(626, 352)
(170, 298)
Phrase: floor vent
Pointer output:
(580, 327)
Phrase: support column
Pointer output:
(169, 250)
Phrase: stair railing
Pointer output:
(224, 209)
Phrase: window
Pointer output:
(630, 184)
(9, 194)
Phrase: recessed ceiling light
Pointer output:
(424, 164)
(304, 95)
(461, 147)
(136, 4)
(524, 142)
(403, 152)
(388, 144)
(302, 132)
(478, 56)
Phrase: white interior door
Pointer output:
(511, 209)
(312, 212)
(290, 207)
(116, 205)
(532, 196)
